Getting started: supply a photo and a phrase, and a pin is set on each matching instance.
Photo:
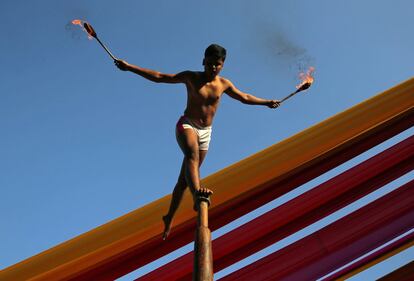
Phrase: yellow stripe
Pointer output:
(275, 162)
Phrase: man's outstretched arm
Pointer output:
(152, 75)
(245, 98)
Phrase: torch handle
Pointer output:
(289, 96)
(106, 49)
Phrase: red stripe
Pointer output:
(372, 257)
(299, 212)
(152, 249)
(339, 243)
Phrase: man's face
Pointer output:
(212, 65)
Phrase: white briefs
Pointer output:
(203, 133)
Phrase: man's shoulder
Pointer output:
(190, 74)
(187, 72)
(225, 81)
(187, 76)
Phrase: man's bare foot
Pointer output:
(167, 226)
(202, 191)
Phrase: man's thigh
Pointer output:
(188, 142)
(202, 156)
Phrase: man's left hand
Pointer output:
(121, 64)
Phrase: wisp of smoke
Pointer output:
(281, 46)
(74, 31)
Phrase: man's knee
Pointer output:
(193, 156)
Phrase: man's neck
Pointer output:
(208, 78)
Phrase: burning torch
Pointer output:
(306, 82)
(92, 34)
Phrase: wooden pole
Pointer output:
(203, 256)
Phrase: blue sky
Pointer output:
(83, 143)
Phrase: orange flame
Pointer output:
(306, 77)
(80, 23)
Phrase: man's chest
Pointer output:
(209, 93)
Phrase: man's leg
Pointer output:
(188, 142)
(193, 157)
(202, 154)
(184, 141)
(181, 185)
(177, 196)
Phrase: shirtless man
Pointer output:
(193, 129)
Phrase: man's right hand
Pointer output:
(121, 64)
(274, 103)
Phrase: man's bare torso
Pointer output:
(203, 97)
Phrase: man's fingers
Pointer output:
(275, 104)
(120, 64)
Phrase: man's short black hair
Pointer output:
(215, 51)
